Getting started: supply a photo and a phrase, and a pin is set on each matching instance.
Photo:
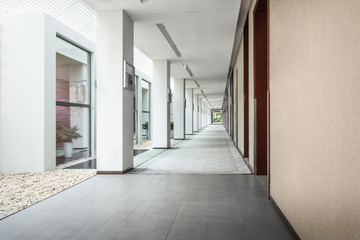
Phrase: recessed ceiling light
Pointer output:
(197, 84)
(188, 70)
(168, 38)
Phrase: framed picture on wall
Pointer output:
(129, 76)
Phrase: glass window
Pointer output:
(72, 73)
(73, 125)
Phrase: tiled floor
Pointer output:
(153, 207)
(150, 154)
(209, 151)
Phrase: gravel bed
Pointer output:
(19, 191)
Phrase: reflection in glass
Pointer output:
(72, 73)
(72, 105)
(72, 126)
(145, 110)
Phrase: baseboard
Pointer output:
(114, 172)
(179, 138)
(249, 165)
(246, 160)
(286, 221)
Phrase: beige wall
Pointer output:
(236, 105)
(315, 115)
(239, 70)
(251, 83)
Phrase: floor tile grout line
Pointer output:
(167, 235)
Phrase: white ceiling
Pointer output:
(203, 31)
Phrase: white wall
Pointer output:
(28, 88)
(115, 104)
(128, 95)
(23, 96)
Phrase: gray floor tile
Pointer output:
(158, 206)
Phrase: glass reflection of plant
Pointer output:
(67, 134)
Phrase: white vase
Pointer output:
(68, 148)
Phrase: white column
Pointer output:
(196, 113)
(179, 108)
(204, 116)
(209, 117)
(28, 89)
(200, 112)
(160, 104)
(189, 111)
(114, 103)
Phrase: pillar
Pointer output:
(160, 104)
(199, 102)
(179, 108)
(196, 114)
(115, 119)
(204, 116)
(28, 94)
(189, 111)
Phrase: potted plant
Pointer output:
(145, 126)
(171, 129)
(67, 135)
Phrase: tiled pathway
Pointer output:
(152, 207)
(209, 151)
(158, 206)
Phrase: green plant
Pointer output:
(67, 134)
(145, 125)
(171, 125)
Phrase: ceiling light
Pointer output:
(168, 39)
(197, 84)
(188, 70)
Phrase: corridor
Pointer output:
(209, 151)
(160, 206)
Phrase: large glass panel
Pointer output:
(72, 73)
(135, 139)
(146, 110)
(73, 104)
